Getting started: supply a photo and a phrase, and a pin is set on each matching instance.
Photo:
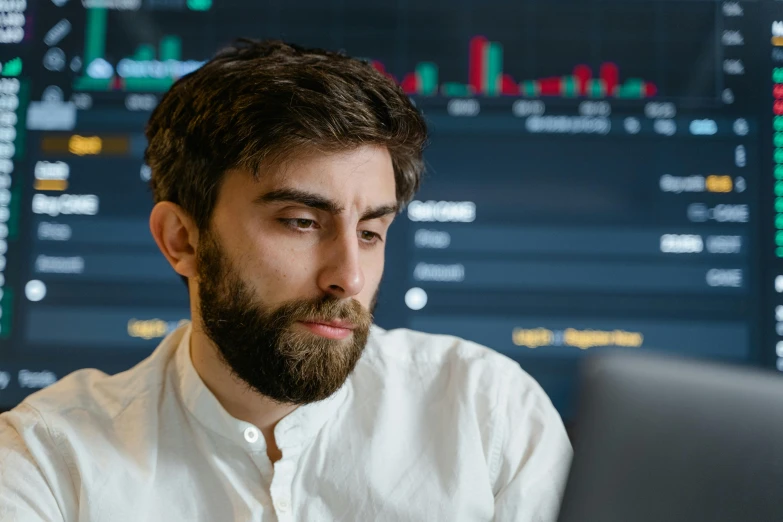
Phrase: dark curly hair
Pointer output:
(257, 102)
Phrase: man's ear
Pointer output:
(176, 234)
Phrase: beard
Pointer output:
(263, 346)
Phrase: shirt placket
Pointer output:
(283, 478)
(283, 471)
(256, 448)
(282, 482)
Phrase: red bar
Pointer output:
(610, 74)
(382, 69)
(582, 73)
(410, 84)
(378, 66)
(508, 86)
(551, 86)
(650, 90)
(476, 64)
(778, 108)
(777, 91)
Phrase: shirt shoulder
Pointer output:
(424, 354)
(62, 439)
(92, 396)
(419, 368)
(512, 415)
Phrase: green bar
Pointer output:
(95, 39)
(427, 73)
(778, 155)
(778, 204)
(596, 88)
(19, 142)
(144, 52)
(148, 84)
(199, 5)
(494, 61)
(456, 90)
(6, 303)
(632, 88)
(778, 171)
(85, 83)
(12, 67)
(637, 87)
(779, 252)
(777, 75)
(170, 48)
(13, 219)
(778, 123)
(530, 89)
(569, 86)
(779, 189)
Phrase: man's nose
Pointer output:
(342, 275)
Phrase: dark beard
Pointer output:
(263, 347)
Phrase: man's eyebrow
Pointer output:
(379, 212)
(319, 202)
(302, 197)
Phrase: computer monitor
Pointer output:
(676, 440)
(601, 174)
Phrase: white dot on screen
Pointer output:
(35, 290)
(416, 298)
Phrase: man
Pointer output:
(277, 172)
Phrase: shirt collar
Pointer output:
(294, 431)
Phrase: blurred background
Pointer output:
(603, 175)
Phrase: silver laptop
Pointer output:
(672, 440)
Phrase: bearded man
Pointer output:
(277, 171)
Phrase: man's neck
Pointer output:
(235, 396)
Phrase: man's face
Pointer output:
(289, 269)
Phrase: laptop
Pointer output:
(665, 439)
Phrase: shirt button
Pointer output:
(251, 435)
(283, 505)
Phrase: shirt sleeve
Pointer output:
(533, 456)
(35, 484)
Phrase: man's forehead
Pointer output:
(364, 160)
(366, 180)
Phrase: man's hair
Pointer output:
(257, 103)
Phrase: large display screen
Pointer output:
(602, 174)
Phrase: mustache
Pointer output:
(322, 309)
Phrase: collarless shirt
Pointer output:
(427, 427)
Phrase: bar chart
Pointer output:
(487, 78)
(148, 69)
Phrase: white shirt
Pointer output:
(427, 427)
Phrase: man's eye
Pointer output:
(370, 237)
(299, 224)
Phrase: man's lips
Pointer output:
(330, 329)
